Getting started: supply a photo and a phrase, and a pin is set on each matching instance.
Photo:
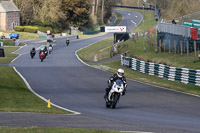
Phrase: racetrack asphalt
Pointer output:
(71, 84)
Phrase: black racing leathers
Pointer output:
(112, 80)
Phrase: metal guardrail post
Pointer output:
(143, 27)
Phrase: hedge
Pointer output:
(30, 29)
(19, 28)
(8, 43)
(33, 29)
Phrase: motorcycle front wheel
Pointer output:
(115, 99)
(108, 104)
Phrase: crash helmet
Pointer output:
(120, 72)
(33, 48)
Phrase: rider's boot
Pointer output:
(106, 95)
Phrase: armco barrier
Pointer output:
(183, 75)
(133, 7)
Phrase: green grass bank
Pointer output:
(50, 130)
(15, 96)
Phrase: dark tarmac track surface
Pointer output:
(73, 85)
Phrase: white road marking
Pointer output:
(135, 132)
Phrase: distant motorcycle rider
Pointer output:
(118, 75)
(41, 50)
(67, 41)
(32, 52)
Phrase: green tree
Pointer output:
(76, 11)
(26, 10)
(50, 12)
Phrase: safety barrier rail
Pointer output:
(133, 7)
(183, 75)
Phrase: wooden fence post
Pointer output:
(169, 46)
(164, 45)
(181, 47)
(175, 46)
(160, 45)
(195, 49)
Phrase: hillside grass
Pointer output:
(101, 50)
(119, 19)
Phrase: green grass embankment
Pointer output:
(50, 130)
(15, 96)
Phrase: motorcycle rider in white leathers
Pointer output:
(118, 75)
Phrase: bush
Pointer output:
(30, 29)
(19, 28)
(53, 30)
(8, 43)
(44, 26)
(44, 29)
(38, 23)
(57, 30)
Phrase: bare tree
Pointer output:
(49, 11)
(97, 4)
(102, 11)
(93, 8)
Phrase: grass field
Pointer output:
(15, 96)
(50, 130)
(8, 54)
(101, 50)
(22, 35)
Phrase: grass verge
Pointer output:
(22, 35)
(15, 96)
(98, 51)
(8, 53)
(119, 19)
(50, 130)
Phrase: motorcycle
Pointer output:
(50, 49)
(67, 42)
(32, 53)
(114, 94)
(45, 51)
(42, 56)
